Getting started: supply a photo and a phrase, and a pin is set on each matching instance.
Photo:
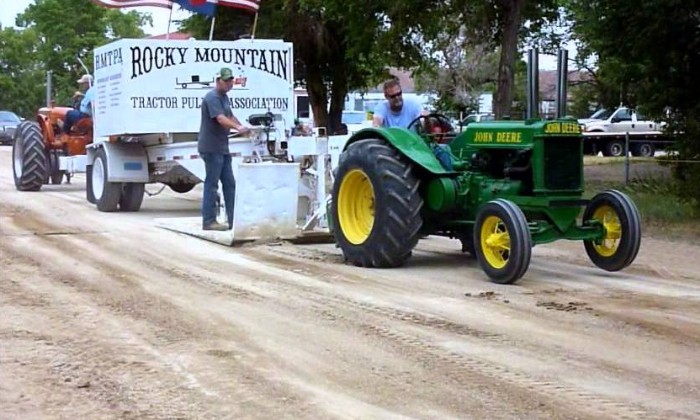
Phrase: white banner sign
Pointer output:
(157, 86)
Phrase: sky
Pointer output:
(9, 9)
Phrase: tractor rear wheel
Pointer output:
(107, 194)
(132, 196)
(623, 233)
(502, 241)
(376, 205)
(29, 163)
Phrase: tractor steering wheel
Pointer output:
(432, 127)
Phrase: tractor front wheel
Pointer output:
(376, 205)
(29, 164)
(106, 194)
(621, 222)
(502, 241)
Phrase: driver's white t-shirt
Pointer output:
(410, 111)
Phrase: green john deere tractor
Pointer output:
(499, 187)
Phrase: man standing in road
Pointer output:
(395, 112)
(212, 144)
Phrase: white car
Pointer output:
(355, 121)
(8, 123)
(622, 120)
(476, 118)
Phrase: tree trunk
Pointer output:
(503, 100)
(318, 97)
(339, 90)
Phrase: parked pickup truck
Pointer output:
(606, 130)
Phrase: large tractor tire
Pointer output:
(132, 196)
(623, 232)
(29, 163)
(376, 205)
(106, 194)
(502, 241)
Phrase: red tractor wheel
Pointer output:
(29, 163)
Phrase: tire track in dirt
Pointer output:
(289, 259)
(310, 302)
(520, 379)
(163, 318)
(85, 372)
(269, 290)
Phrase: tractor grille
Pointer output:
(562, 164)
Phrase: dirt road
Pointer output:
(106, 316)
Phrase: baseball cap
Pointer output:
(86, 78)
(224, 74)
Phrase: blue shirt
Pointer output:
(409, 112)
(85, 104)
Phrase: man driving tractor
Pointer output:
(85, 110)
(395, 111)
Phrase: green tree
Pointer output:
(459, 72)
(21, 76)
(53, 34)
(506, 25)
(339, 45)
(650, 53)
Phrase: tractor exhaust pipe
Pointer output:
(533, 84)
(562, 76)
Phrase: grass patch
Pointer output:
(603, 160)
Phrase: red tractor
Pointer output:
(39, 144)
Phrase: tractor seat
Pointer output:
(82, 127)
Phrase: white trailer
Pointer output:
(147, 120)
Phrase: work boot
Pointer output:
(216, 226)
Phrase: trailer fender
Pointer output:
(408, 143)
(126, 162)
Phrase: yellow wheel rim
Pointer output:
(613, 230)
(495, 242)
(356, 206)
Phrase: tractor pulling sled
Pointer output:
(500, 188)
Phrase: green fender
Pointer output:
(408, 143)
